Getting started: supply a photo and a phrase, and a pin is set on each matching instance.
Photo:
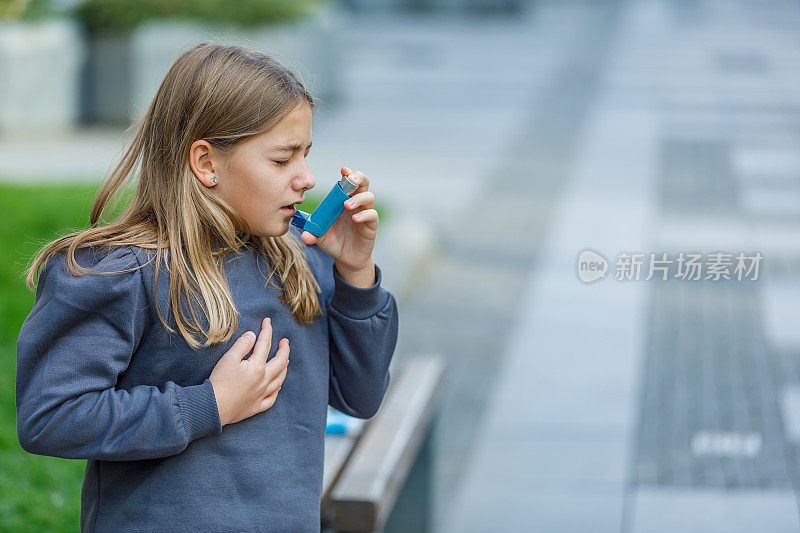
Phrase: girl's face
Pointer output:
(262, 175)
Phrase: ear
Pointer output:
(201, 160)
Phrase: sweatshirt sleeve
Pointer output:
(76, 341)
(363, 326)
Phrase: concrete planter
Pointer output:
(40, 64)
(124, 72)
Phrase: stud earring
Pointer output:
(213, 180)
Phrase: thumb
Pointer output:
(242, 346)
(308, 238)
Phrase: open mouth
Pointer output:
(289, 209)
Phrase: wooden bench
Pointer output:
(386, 468)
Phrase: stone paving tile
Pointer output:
(521, 508)
(780, 301)
(696, 177)
(667, 510)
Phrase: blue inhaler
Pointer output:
(318, 222)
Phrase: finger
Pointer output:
(357, 177)
(277, 363)
(263, 344)
(242, 345)
(276, 383)
(269, 401)
(368, 215)
(362, 199)
(308, 238)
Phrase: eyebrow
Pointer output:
(290, 147)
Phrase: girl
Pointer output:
(140, 352)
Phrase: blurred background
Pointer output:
(502, 139)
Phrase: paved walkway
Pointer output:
(468, 305)
(661, 406)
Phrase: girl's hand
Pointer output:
(244, 388)
(351, 238)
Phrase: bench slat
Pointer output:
(369, 483)
(337, 451)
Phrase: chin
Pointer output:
(276, 230)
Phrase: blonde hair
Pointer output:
(223, 94)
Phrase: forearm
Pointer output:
(363, 326)
(117, 425)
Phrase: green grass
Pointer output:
(37, 493)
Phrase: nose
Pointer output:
(305, 180)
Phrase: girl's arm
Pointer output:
(76, 341)
(363, 332)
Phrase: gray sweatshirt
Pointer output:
(100, 378)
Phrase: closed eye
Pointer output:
(282, 163)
